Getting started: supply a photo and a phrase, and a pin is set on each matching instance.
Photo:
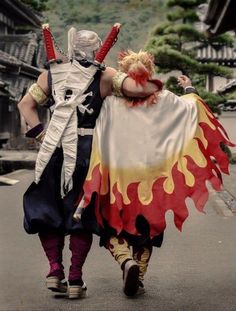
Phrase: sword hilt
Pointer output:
(49, 47)
(108, 43)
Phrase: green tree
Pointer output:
(135, 16)
(37, 5)
(174, 44)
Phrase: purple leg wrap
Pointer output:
(80, 244)
(53, 244)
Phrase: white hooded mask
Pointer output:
(83, 44)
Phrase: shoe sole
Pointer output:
(55, 285)
(141, 291)
(131, 282)
(75, 292)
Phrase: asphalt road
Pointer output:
(195, 270)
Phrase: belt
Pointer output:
(83, 131)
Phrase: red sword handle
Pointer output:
(51, 56)
(109, 41)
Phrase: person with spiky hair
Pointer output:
(78, 89)
(149, 155)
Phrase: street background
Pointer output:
(194, 270)
(227, 119)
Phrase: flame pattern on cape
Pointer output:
(150, 164)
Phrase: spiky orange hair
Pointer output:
(140, 66)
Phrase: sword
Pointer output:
(49, 46)
(108, 43)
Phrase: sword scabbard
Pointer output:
(49, 47)
(108, 43)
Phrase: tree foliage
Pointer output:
(137, 17)
(186, 4)
(174, 45)
(37, 5)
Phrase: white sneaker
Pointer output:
(77, 291)
(56, 285)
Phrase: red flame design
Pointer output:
(121, 216)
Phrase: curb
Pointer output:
(229, 200)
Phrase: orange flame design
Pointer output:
(186, 176)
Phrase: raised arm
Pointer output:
(131, 89)
(186, 84)
(121, 84)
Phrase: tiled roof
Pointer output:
(8, 59)
(23, 47)
(227, 87)
(219, 54)
(22, 13)
(220, 16)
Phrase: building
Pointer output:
(229, 89)
(219, 54)
(21, 61)
(220, 16)
(217, 17)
